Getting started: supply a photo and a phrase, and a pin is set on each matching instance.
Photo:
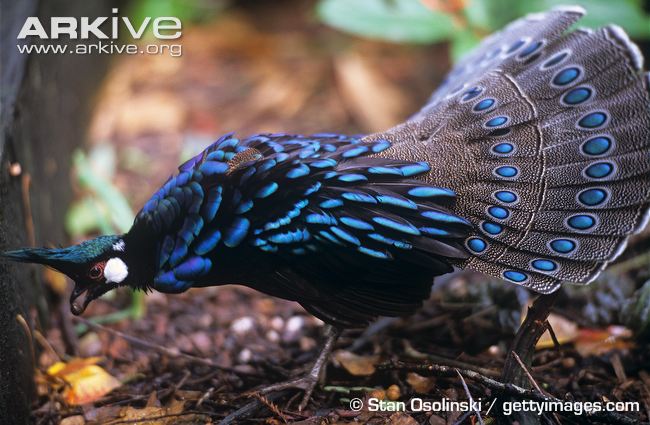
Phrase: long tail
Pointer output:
(545, 136)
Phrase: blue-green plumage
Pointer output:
(261, 204)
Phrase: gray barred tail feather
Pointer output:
(544, 135)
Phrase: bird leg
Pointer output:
(308, 382)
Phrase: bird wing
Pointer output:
(321, 203)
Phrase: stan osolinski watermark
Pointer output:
(417, 404)
(506, 407)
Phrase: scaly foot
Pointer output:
(308, 382)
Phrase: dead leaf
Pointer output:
(437, 420)
(378, 393)
(102, 415)
(565, 331)
(356, 365)
(73, 420)
(594, 342)
(588, 342)
(401, 418)
(153, 401)
(86, 381)
(162, 415)
(393, 392)
(420, 384)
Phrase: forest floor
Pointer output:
(199, 357)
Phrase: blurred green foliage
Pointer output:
(399, 21)
(188, 11)
(464, 22)
(103, 210)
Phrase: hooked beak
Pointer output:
(84, 293)
(78, 307)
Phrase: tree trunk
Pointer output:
(44, 106)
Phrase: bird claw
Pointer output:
(306, 384)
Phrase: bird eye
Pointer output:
(96, 271)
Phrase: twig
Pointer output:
(251, 409)
(205, 396)
(46, 344)
(28, 333)
(556, 343)
(525, 369)
(271, 406)
(548, 365)
(410, 351)
(619, 370)
(373, 329)
(470, 398)
(26, 182)
(429, 323)
(529, 333)
(180, 383)
(505, 388)
(157, 419)
(70, 338)
(159, 348)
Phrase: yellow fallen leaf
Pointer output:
(565, 331)
(86, 381)
(59, 369)
(356, 365)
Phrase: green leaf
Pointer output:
(396, 20)
(492, 15)
(86, 216)
(103, 161)
(120, 211)
(187, 11)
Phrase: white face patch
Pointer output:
(115, 271)
(119, 245)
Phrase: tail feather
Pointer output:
(545, 136)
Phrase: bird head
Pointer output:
(96, 266)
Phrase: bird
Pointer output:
(529, 163)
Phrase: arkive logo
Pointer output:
(103, 27)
